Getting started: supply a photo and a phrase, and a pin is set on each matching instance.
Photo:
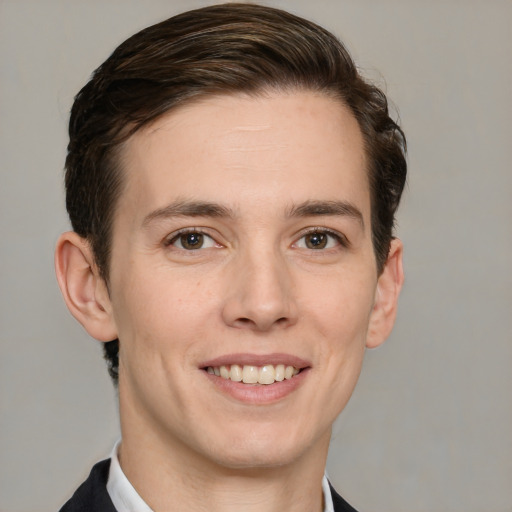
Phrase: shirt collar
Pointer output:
(126, 499)
(122, 493)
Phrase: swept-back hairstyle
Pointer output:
(222, 49)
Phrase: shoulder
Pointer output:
(92, 494)
(340, 505)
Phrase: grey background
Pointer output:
(429, 427)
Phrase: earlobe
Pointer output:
(83, 289)
(388, 289)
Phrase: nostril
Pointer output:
(241, 322)
(261, 324)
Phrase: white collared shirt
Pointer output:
(126, 499)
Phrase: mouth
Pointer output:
(257, 379)
(249, 374)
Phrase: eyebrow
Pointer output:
(326, 208)
(183, 208)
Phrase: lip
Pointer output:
(257, 394)
(257, 360)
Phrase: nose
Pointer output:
(260, 294)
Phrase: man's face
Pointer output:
(242, 240)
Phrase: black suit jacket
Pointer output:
(92, 495)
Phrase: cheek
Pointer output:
(158, 312)
(340, 305)
(341, 314)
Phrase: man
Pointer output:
(232, 183)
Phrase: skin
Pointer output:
(256, 287)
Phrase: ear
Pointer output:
(83, 289)
(388, 289)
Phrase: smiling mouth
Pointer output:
(248, 374)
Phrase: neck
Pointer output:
(169, 476)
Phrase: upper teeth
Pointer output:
(248, 374)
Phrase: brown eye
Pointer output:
(316, 240)
(320, 240)
(191, 241)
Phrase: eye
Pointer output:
(191, 241)
(320, 239)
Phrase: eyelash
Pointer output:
(341, 239)
(186, 231)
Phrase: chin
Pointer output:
(256, 459)
(258, 450)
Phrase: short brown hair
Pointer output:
(221, 49)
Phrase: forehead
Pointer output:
(277, 148)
